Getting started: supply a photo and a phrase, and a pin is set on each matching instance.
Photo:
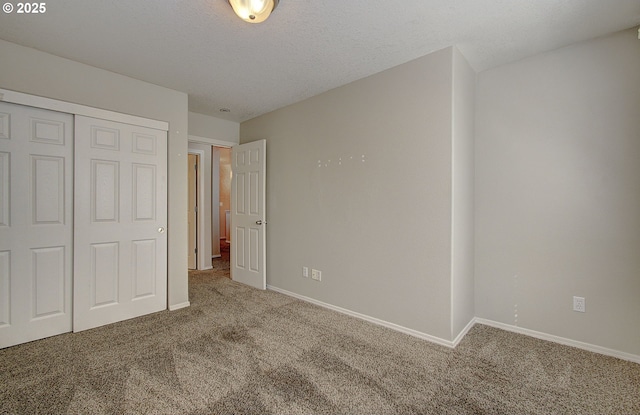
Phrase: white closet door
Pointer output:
(36, 200)
(120, 255)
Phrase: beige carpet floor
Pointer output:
(237, 350)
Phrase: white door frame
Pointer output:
(21, 98)
(194, 179)
(200, 231)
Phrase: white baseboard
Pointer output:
(476, 320)
(175, 307)
(392, 326)
(561, 340)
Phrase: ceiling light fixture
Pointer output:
(253, 11)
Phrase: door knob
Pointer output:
(161, 230)
(259, 222)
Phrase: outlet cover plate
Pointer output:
(316, 274)
(579, 304)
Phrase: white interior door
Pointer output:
(36, 200)
(120, 254)
(248, 214)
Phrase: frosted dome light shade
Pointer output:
(253, 11)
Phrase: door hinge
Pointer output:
(195, 209)
(195, 250)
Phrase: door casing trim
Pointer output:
(36, 101)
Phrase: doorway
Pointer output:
(209, 184)
(220, 163)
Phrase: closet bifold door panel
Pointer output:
(36, 223)
(120, 255)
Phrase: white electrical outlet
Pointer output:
(305, 272)
(579, 304)
(316, 274)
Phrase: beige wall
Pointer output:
(33, 72)
(462, 249)
(201, 125)
(359, 185)
(558, 192)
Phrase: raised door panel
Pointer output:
(105, 191)
(5, 123)
(239, 248)
(5, 288)
(5, 185)
(239, 159)
(145, 144)
(254, 250)
(254, 193)
(144, 282)
(241, 193)
(47, 131)
(105, 138)
(48, 279)
(47, 190)
(144, 192)
(105, 266)
(254, 157)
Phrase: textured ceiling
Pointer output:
(305, 47)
